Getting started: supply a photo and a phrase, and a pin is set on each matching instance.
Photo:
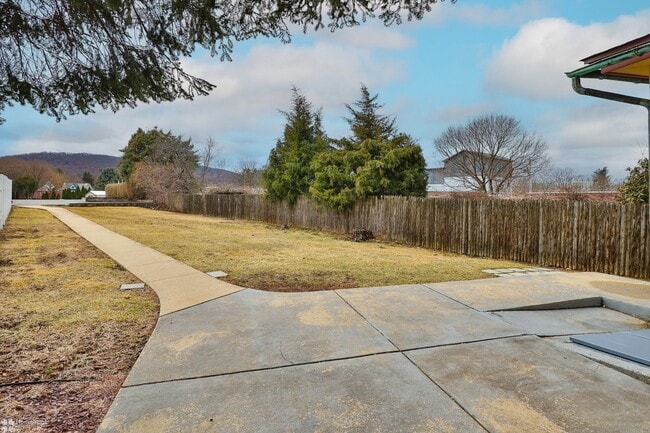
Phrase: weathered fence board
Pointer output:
(585, 236)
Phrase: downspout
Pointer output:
(577, 86)
(633, 100)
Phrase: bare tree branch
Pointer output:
(66, 57)
(489, 152)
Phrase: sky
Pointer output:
(463, 60)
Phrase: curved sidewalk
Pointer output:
(177, 285)
(449, 357)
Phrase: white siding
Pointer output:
(5, 199)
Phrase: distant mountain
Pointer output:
(218, 175)
(75, 164)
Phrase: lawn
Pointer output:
(68, 335)
(261, 256)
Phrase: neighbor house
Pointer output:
(44, 190)
(76, 186)
(459, 171)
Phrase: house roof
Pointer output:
(477, 154)
(610, 52)
(629, 61)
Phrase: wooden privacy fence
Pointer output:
(584, 236)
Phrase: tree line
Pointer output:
(29, 175)
(376, 159)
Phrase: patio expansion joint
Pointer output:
(164, 279)
(321, 361)
(255, 370)
(201, 303)
(460, 343)
(451, 299)
(368, 321)
(448, 394)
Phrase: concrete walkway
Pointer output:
(453, 357)
(177, 285)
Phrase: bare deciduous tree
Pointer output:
(565, 180)
(490, 151)
(211, 156)
(251, 175)
(42, 171)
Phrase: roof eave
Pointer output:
(594, 70)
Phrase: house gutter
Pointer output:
(595, 70)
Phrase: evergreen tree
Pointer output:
(289, 173)
(163, 148)
(366, 123)
(600, 179)
(635, 187)
(88, 178)
(108, 175)
(24, 187)
(376, 160)
(66, 57)
(334, 179)
(392, 167)
(138, 148)
(376, 168)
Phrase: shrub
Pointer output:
(120, 190)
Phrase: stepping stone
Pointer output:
(217, 274)
(492, 271)
(134, 286)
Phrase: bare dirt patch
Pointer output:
(68, 335)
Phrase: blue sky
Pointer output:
(461, 61)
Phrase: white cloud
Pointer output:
(588, 136)
(370, 36)
(486, 14)
(241, 114)
(460, 112)
(533, 63)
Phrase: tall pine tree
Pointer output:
(366, 123)
(376, 160)
(289, 173)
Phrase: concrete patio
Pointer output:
(474, 356)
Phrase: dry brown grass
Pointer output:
(260, 256)
(120, 190)
(63, 317)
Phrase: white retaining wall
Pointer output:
(5, 199)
